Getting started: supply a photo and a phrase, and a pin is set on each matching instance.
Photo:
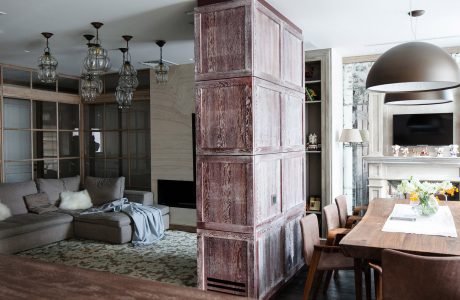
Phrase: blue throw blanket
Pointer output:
(148, 221)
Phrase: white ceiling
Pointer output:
(360, 26)
(355, 26)
(146, 20)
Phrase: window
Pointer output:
(117, 143)
(41, 139)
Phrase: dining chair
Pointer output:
(409, 276)
(319, 257)
(347, 221)
(334, 231)
(334, 234)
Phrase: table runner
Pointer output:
(441, 223)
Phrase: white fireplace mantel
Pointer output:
(382, 169)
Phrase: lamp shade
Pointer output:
(420, 98)
(413, 67)
(351, 136)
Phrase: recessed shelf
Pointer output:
(312, 81)
(313, 212)
(313, 151)
(312, 102)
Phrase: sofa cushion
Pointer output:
(54, 187)
(104, 190)
(39, 203)
(112, 219)
(164, 209)
(20, 224)
(12, 195)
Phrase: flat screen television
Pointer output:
(423, 129)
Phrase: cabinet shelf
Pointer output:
(313, 212)
(313, 151)
(312, 81)
(313, 102)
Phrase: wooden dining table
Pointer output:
(366, 241)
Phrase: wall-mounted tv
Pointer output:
(423, 129)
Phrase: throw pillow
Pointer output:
(39, 203)
(5, 212)
(75, 200)
(105, 190)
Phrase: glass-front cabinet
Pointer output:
(36, 144)
(117, 143)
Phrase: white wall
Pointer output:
(172, 105)
(336, 101)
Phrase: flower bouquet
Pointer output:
(426, 194)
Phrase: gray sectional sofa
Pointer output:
(24, 230)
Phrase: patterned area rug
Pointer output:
(171, 260)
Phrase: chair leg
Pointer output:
(328, 280)
(319, 279)
(311, 273)
(378, 285)
(367, 276)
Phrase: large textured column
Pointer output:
(250, 146)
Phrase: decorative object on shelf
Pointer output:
(47, 64)
(311, 72)
(127, 82)
(395, 149)
(162, 69)
(420, 98)
(423, 194)
(453, 150)
(413, 67)
(439, 151)
(424, 152)
(97, 61)
(351, 136)
(91, 85)
(404, 151)
(312, 141)
(314, 203)
(310, 94)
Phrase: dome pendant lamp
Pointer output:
(420, 98)
(413, 67)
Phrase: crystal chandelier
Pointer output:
(91, 85)
(47, 64)
(97, 60)
(127, 82)
(161, 70)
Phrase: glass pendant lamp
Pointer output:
(47, 64)
(97, 61)
(161, 70)
(91, 85)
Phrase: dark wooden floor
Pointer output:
(343, 287)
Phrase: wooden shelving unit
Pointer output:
(315, 80)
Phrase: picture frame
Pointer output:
(314, 203)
